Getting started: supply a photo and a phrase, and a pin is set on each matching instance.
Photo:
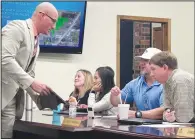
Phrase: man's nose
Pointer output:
(53, 26)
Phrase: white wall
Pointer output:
(100, 40)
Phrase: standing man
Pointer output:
(178, 88)
(144, 91)
(20, 50)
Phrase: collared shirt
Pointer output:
(179, 95)
(36, 45)
(145, 97)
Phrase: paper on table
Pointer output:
(110, 117)
(162, 125)
(106, 117)
(97, 116)
(176, 123)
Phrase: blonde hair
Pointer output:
(88, 84)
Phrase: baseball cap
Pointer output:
(148, 53)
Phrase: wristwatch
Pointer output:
(138, 114)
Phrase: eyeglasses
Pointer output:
(53, 20)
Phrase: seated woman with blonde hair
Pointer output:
(83, 83)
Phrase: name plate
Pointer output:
(71, 122)
(186, 132)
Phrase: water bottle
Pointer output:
(59, 108)
(72, 109)
(56, 119)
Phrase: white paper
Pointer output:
(106, 117)
(176, 123)
(97, 116)
(162, 125)
(110, 117)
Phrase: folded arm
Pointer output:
(103, 104)
(156, 113)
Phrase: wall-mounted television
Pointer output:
(68, 35)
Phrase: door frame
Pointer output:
(167, 36)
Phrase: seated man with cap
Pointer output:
(144, 91)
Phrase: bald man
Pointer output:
(20, 49)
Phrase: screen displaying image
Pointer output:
(67, 37)
(66, 32)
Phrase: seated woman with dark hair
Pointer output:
(99, 97)
(83, 83)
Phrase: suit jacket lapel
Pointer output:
(32, 39)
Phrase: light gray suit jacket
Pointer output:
(17, 51)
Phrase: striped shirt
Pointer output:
(179, 95)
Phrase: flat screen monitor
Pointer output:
(68, 35)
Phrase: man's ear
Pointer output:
(165, 67)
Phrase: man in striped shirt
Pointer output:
(178, 87)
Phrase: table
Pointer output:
(49, 125)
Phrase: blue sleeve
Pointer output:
(127, 92)
(161, 98)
